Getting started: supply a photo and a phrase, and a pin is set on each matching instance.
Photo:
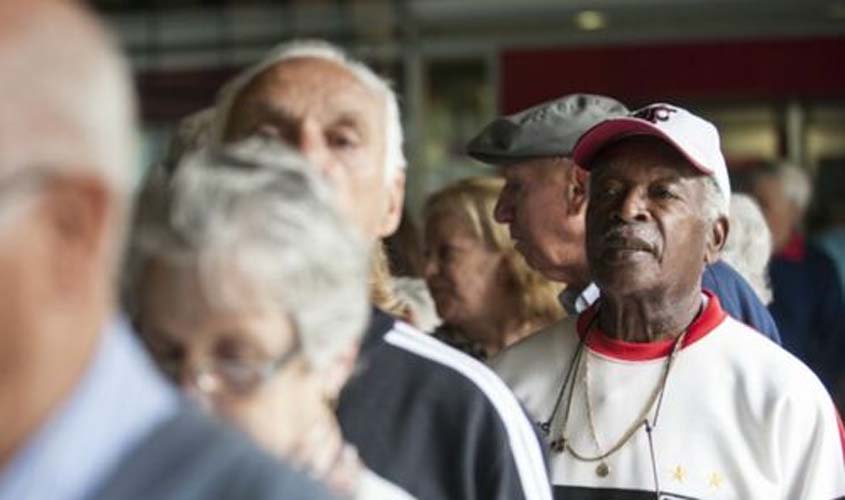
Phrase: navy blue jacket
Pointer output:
(809, 309)
(738, 299)
(438, 423)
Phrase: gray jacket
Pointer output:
(191, 457)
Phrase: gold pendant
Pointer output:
(603, 470)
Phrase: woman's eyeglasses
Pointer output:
(227, 375)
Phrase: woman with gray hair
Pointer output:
(250, 292)
(749, 244)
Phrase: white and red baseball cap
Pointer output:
(694, 137)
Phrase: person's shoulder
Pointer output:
(192, 456)
(727, 283)
(739, 299)
(822, 263)
(419, 351)
(408, 357)
(768, 363)
(546, 346)
(788, 407)
(446, 381)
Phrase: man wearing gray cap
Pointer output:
(653, 391)
(545, 199)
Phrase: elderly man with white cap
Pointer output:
(653, 391)
(545, 199)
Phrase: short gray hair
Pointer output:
(192, 133)
(715, 204)
(749, 244)
(318, 49)
(796, 184)
(257, 210)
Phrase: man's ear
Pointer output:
(716, 239)
(577, 190)
(395, 203)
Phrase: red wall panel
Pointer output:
(773, 69)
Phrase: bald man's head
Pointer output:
(66, 93)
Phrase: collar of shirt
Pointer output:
(575, 301)
(117, 402)
(794, 250)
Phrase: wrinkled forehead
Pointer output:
(642, 156)
(309, 86)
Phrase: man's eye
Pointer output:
(342, 139)
(662, 192)
(445, 252)
(268, 132)
(608, 191)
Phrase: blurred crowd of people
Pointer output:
(608, 315)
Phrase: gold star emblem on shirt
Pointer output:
(679, 474)
(715, 480)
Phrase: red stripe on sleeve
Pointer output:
(841, 431)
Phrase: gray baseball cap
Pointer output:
(548, 129)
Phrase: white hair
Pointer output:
(715, 204)
(255, 214)
(68, 100)
(749, 244)
(394, 160)
(796, 184)
(192, 133)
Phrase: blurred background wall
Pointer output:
(769, 73)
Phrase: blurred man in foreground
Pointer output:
(84, 413)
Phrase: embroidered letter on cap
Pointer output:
(655, 113)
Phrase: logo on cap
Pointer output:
(654, 114)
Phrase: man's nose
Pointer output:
(503, 211)
(633, 206)
(312, 144)
(430, 266)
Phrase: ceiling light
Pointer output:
(590, 20)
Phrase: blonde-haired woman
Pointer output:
(486, 295)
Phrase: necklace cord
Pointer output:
(546, 426)
(657, 396)
(648, 429)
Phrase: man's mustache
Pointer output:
(630, 237)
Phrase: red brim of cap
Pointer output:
(613, 130)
